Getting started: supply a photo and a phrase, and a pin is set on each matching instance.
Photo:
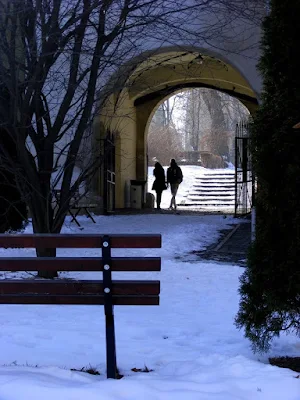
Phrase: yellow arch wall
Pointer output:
(127, 112)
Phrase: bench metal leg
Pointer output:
(74, 216)
(111, 362)
(111, 359)
(89, 214)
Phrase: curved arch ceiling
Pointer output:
(165, 73)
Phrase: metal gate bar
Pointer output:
(109, 175)
(244, 179)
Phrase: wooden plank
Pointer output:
(136, 241)
(136, 264)
(79, 264)
(70, 287)
(79, 300)
(78, 241)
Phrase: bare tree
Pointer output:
(56, 56)
(164, 140)
(162, 115)
(210, 120)
(164, 143)
(193, 118)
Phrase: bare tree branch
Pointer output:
(57, 57)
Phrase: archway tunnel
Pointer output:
(128, 109)
(200, 129)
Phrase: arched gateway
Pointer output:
(135, 91)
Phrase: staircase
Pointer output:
(212, 190)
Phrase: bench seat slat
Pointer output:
(79, 300)
(72, 287)
(79, 264)
(83, 205)
(79, 241)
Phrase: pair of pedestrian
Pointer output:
(174, 178)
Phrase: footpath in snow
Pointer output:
(189, 341)
(202, 189)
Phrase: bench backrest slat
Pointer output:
(78, 300)
(79, 241)
(79, 264)
(84, 287)
(80, 291)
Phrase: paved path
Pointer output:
(232, 247)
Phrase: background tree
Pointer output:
(56, 57)
(219, 140)
(163, 144)
(164, 140)
(164, 114)
(270, 286)
(194, 118)
(13, 211)
(198, 119)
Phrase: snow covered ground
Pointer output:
(190, 175)
(189, 341)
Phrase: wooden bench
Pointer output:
(78, 203)
(82, 203)
(86, 292)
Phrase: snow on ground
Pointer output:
(189, 173)
(189, 341)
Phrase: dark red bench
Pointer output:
(86, 292)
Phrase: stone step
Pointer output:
(210, 201)
(215, 178)
(213, 190)
(229, 175)
(213, 186)
(228, 206)
(203, 195)
(214, 182)
(227, 180)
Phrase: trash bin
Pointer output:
(136, 193)
(150, 200)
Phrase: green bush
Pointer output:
(270, 285)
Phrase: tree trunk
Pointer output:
(46, 252)
(43, 224)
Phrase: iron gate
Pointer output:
(109, 174)
(244, 178)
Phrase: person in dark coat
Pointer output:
(174, 178)
(159, 183)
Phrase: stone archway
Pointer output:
(128, 109)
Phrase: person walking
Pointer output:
(159, 183)
(174, 178)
